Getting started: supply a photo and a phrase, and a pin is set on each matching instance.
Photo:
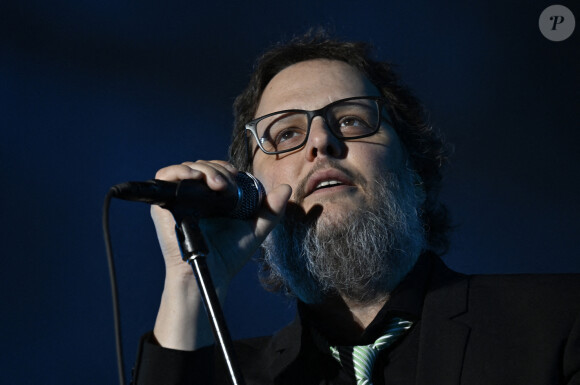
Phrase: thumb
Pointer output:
(273, 209)
(277, 199)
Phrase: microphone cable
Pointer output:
(114, 290)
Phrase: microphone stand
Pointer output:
(194, 251)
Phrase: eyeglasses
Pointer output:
(288, 130)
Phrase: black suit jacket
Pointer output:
(474, 330)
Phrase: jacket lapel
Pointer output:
(443, 339)
(284, 347)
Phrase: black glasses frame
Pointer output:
(379, 100)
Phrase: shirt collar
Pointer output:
(406, 300)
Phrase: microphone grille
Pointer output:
(250, 195)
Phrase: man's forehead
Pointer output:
(312, 84)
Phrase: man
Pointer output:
(352, 228)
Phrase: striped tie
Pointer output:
(360, 359)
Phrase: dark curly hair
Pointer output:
(425, 146)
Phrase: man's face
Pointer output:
(311, 85)
(362, 236)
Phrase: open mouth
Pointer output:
(329, 179)
(327, 184)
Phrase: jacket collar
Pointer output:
(445, 299)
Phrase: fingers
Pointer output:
(218, 175)
(278, 198)
(274, 209)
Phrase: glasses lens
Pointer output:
(283, 131)
(354, 118)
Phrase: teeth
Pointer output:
(328, 183)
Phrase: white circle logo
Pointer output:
(557, 23)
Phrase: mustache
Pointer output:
(300, 190)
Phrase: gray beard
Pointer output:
(361, 257)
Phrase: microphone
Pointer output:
(195, 195)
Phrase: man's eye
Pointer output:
(288, 134)
(352, 121)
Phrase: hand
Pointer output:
(231, 242)
(180, 323)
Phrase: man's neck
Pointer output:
(345, 320)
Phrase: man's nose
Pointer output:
(322, 142)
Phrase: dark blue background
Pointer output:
(94, 93)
